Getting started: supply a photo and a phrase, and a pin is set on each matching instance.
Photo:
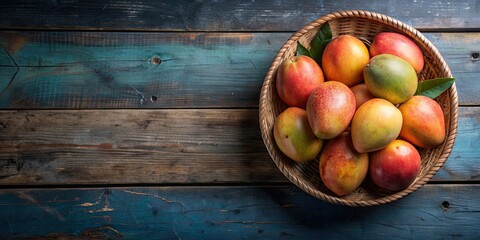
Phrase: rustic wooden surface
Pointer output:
(240, 212)
(139, 120)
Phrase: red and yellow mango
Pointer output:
(343, 60)
(342, 169)
(399, 45)
(423, 122)
(294, 137)
(375, 124)
(330, 109)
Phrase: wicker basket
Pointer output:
(363, 25)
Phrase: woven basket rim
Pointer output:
(409, 31)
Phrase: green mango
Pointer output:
(391, 78)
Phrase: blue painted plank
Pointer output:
(198, 70)
(262, 212)
(181, 15)
(115, 70)
(465, 153)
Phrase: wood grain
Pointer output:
(264, 212)
(273, 15)
(165, 94)
(133, 146)
(163, 147)
(80, 70)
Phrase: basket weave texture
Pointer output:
(364, 25)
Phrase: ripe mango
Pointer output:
(330, 108)
(399, 45)
(361, 94)
(390, 77)
(296, 78)
(423, 122)
(375, 124)
(344, 59)
(396, 166)
(342, 169)
(294, 137)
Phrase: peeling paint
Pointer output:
(104, 209)
(88, 204)
(106, 203)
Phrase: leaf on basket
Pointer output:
(318, 44)
(434, 87)
(301, 50)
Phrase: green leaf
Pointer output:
(301, 50)
(434, 87)
(320, 41)
(318, 44)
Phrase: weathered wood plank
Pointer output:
(117, 70)
(198, 70)
(137, 146)
(465, 153)
(226, 15)
(263, 212)
(164, 146)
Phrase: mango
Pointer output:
(399, 45)
(296, 78)
(396, 166)
(342, 169)
(294, 137)
(375, 124)
(330, 108)
(390, 77)
(343, 60)
(361, 94)
(423, 122)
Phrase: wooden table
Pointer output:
(140, 120)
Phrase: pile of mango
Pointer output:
(358, 112)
